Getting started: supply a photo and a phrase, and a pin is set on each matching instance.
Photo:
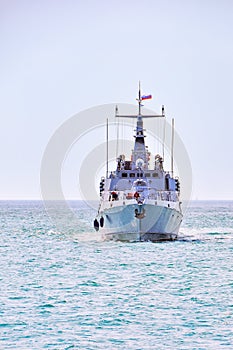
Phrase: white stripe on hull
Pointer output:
(144, 222)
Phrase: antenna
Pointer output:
(117, 143)
(107, 150)
(164, 128)
(172, 148)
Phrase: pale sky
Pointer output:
(61, 57)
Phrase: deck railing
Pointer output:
(171, 196)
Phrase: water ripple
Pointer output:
(74, 291)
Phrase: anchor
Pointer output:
(141, 214)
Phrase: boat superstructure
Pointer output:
(138, 203)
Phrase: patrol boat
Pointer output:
(138, 203)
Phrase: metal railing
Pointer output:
(171, 196)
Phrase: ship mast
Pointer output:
(139, 155)
(139, 99)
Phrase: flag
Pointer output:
(146, 97)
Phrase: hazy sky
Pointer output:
(61, 57)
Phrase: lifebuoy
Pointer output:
(114, 196)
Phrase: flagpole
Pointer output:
(139, 99)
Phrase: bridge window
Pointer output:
(124, 174)
(132, 175)
(147, 174)
(139, 174)
(155, 175)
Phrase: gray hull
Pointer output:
(144, 222)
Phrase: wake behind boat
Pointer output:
(138, 203)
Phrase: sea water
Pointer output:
(71, 290)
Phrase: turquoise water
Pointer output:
(73, 291)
